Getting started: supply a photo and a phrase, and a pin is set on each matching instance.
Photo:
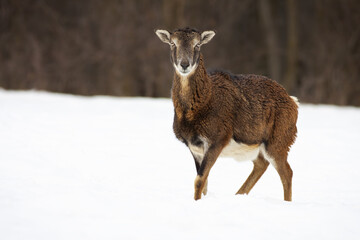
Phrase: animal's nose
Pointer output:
(184, 65)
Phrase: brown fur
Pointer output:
(250, 109)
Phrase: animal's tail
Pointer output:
(296, 100)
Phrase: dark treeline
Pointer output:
(109, 47)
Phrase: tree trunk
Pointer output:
(173, 13)
(273, 59)
(292, 47)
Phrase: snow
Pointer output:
(110, 168)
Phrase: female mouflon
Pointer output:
(246, 117)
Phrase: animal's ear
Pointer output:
(206, 36)
(163, 35)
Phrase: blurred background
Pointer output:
(108, 47)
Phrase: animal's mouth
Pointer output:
(185, 72)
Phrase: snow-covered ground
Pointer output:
(110, 168)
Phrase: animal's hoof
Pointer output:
(240, 192)
(197, 197)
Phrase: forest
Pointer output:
(109, 47)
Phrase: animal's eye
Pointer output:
(172, 44)
(197, 45)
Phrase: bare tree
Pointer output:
(273, 58)
(292, 46)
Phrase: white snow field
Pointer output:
(111, 168)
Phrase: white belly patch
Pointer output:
(238, 151)
(241, 151)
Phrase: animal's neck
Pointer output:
(191, 93)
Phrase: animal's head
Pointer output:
(185, 47)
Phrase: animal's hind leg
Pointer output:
(260, 166)
(285, 172)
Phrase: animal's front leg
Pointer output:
(203, 170)
(199, 186)
(198, 160)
